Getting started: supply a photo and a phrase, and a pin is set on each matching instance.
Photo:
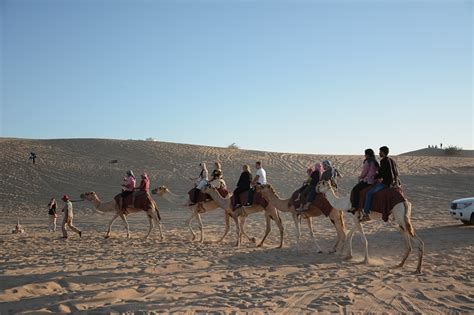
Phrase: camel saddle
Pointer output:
(383, 201)
(202, 197)
(139, 200)
(319, 202)
(244, 198)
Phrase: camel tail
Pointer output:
(409, 226)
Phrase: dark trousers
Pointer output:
(251, 194)
(196, 194)
(311, 194)
(237, 192)
(355, 193)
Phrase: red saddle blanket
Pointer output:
(205, 197)
(383, 201)
(257, 199)
(319, 202)
(138, 200)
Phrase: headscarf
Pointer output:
(318, 167)
(130, 173)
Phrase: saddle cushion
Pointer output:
(201, 197)
(383, 201)
(138, 200)
(319, 202)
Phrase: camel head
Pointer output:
(160, 191)
(323, 186)
(264, 189)
(89, 196)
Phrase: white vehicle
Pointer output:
(463, 209)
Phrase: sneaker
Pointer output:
(64, 237)
(365, 218)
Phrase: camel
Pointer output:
(270, 214)
(401, 213)
(111, 206)
(183, 201)
(336, 216)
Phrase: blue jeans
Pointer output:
(369, 196)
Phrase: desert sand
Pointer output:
(40, 273)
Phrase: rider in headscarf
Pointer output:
(127, 188)
(309, 193)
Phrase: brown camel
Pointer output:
(286, 205)
(270, 214)
(112, 206)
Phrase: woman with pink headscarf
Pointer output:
(309, 193)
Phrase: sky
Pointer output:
(323, 77)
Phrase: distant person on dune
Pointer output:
(68, 216)
(128, 187)
(33, 157)
(53, 216)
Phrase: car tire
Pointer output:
(470, 222)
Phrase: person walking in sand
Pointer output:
(33, 157)
(67, 217)
(52, 214)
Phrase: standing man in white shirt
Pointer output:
(67, 217)
(259, 179)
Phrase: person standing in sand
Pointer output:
(53, 216)
(68, 216)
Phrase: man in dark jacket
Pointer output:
(387, 173)
(243, 185)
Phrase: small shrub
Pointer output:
(233, 146)
(452, 150)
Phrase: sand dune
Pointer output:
(41, 273)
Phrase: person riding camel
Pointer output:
(127, 189)
(330, 173)
(243, 185)
(201, 181)
(370, 166)
(144, 185)
(309, 193)
(259, 179)
(217, 173)
(387, 173)
(306, 183)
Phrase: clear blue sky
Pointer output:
(290, 76)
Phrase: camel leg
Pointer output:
(310, 225)
(349, 242)
(189, 224)
(341, 233)
(267, 230)
(421, 249)
(240, 230)
(366, 244)
(116, 215)
(150, 220)
(200, 227)
(227, 227)
(406, 238)
(279, 224)
(298, 230)
(125, 221)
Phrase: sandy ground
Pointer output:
(42, 273)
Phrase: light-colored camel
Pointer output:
(196, 210)
(401, 213)
(270, 214)
(111, 206)
(336, 216)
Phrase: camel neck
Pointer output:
(280, 204)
